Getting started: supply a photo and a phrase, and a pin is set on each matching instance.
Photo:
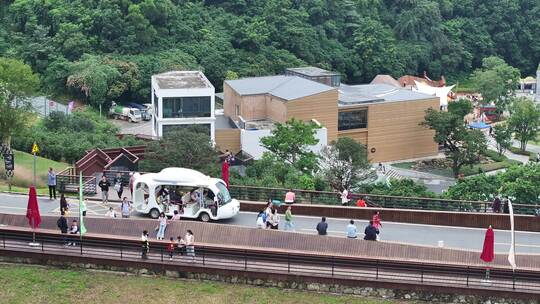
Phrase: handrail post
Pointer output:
(513, 279)
(203, 255)
(121, 254)
(376, 269)
(288, 263)
(162, 254)
(333, 266)
(81, 247)
(245, 260)
(422, 275)
(42, 249)
(4, 239)
(468, 276)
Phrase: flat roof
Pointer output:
(182, 80)
(224, 122)
(373, 93)
(312, 71)
(284, 87)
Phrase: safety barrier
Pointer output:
(209, 258)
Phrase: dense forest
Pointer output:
(103, 50)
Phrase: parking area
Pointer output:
(143, 127)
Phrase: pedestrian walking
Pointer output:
(118, 186)
(74, 229)
(51, 182)
(289, 219)
(111, 213)
(345, 197)
(371, 233)
(64, 206)
(145, 246)
(189, 242)
(496, 206)
(322, 226)
(351, 230)
(63, 226)
(170, 248)
(377, 222)
(274, 220)
(180, 246)
(505, 205)
(104, 185)
(290, 197)
(162, 225)
(176, 216)
(125, 207)
(268, 213)
(261, 220)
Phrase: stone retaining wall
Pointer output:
(388, 293)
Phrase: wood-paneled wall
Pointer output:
(323, 107)
(395, 132)
(360, 135)
(228, 139)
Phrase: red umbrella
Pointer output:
(488, 253)
(32, 213)
(225, 172)
(32, 210)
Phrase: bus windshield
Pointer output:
(223, 195)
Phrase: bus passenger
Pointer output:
(189, 242)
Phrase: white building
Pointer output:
(181, 99)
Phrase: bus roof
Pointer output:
(178, 176)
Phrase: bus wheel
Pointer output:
(154, 213)
(204, 217)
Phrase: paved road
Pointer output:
(453, 237)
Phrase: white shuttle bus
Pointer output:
(191, 193)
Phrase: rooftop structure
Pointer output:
(316, 74)
(374, 93)
(182, 80)
(284, 87)
(385, 79)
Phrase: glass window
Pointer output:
(182, 107)
(203, 128)
(224, 196)
(352, 120)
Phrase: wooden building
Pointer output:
(385, 118)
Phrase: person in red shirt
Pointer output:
(361, 203)
(170, 248)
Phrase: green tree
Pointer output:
(290, 142)
(496, 81)
(92, 78)
(524, 121)
(184, 147)
(503, 137)
(463, 146)
(17, 82)
(344, 164)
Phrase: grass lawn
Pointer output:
(24, 169)
(34, 284)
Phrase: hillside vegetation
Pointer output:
(103, 50)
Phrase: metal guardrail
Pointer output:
(310, 265)
(68, 181)
(383, 201)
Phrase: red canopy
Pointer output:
(32, 210)
(488, 253)
(225, 172)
